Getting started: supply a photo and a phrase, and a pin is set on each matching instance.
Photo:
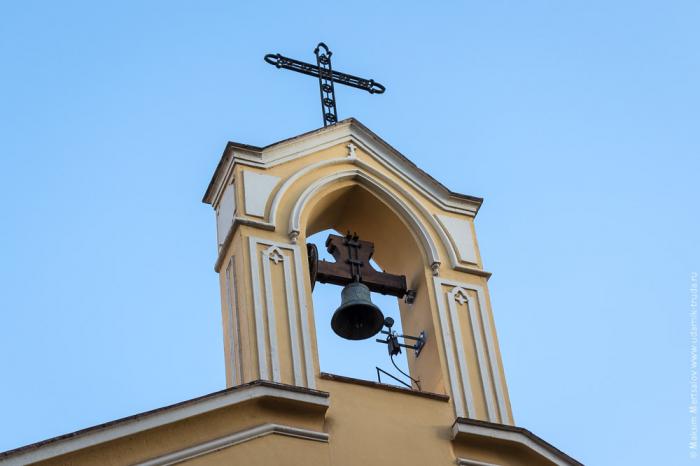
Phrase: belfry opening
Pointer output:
(348, 205)
(352, 358)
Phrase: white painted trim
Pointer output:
(304, 317)
(227, 178)
(449, 246)
(257, 188)
(449, 345)
(239, 342)
(273, 212)
(478, 344)
(270, 308)
(363, 138)
(462, 242)
(495, 374)
(511, 436)
(242, 158)
(459, 347)
(468, 462)
(235, 439)
(253, 223)
(229, 236)
(225, 212)
(473, 271)
(229, 327)
(292, 313)
(233, 330)
(493, 358)
(274, 206)
(378, 189)
(278, 154)
(405, 169)
(257, 307)
(157, 419)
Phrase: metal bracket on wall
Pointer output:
(392, 340)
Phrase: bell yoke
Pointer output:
(357, 318)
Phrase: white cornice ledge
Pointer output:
(468, 462)
(234, 439)
(465, 429)
(135, 424)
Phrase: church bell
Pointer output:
(357, 318)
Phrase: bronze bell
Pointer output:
(357, 318)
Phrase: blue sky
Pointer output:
(576, 121)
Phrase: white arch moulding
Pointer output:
(351, 158)
(272, 215)
(375, 188)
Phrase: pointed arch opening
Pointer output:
(359, 205)
(356, 359)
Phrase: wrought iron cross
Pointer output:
(326, 77)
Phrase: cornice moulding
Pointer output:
(135, 424)
(344, 131)
(465, 429)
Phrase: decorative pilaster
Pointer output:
(274, 298)
(469, 346)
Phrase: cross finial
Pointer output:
(326, 79)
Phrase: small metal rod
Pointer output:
(410, 337)
(416, 381)
(386, 373)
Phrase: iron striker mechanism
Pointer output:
(392, 340)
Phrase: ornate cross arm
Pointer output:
(352, 257)
(326, 78)
(280, 61)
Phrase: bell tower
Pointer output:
(268, 201)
